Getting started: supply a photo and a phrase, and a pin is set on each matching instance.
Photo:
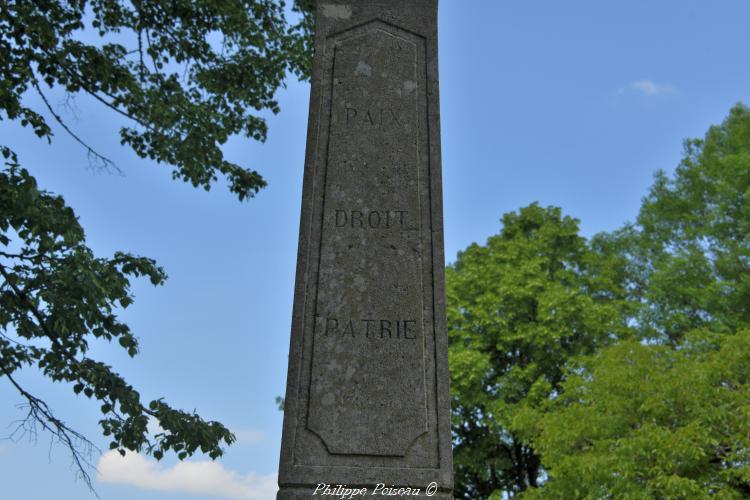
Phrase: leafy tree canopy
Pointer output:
(518, 308)
(618, 367)
(690, 247)
(667, 416)
(186, 76)
(649, 421)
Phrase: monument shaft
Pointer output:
(367, 392)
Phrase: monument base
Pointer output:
(307, 492)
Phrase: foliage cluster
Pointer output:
(185, 76)
(615, 367)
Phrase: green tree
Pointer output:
(519, 308)
(185, 75)
(667, 416)
(650, 421)
(690, 247)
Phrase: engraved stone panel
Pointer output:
(367, 394)
(368, 356)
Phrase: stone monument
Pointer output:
(367, 406)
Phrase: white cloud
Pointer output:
(198, 477)
(651, 88)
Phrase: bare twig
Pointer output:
(106, 163)
(69, 104)
(39, 413)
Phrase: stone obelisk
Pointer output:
(367, 404)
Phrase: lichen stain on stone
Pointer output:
(336, 11)
(409, 86)
(363, 69)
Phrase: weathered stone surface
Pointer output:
(367, 394)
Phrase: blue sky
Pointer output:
(573, 104)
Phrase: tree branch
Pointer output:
(40, 413)
(17, 256)
(53, 338)
(106, 162)
(91, 89)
